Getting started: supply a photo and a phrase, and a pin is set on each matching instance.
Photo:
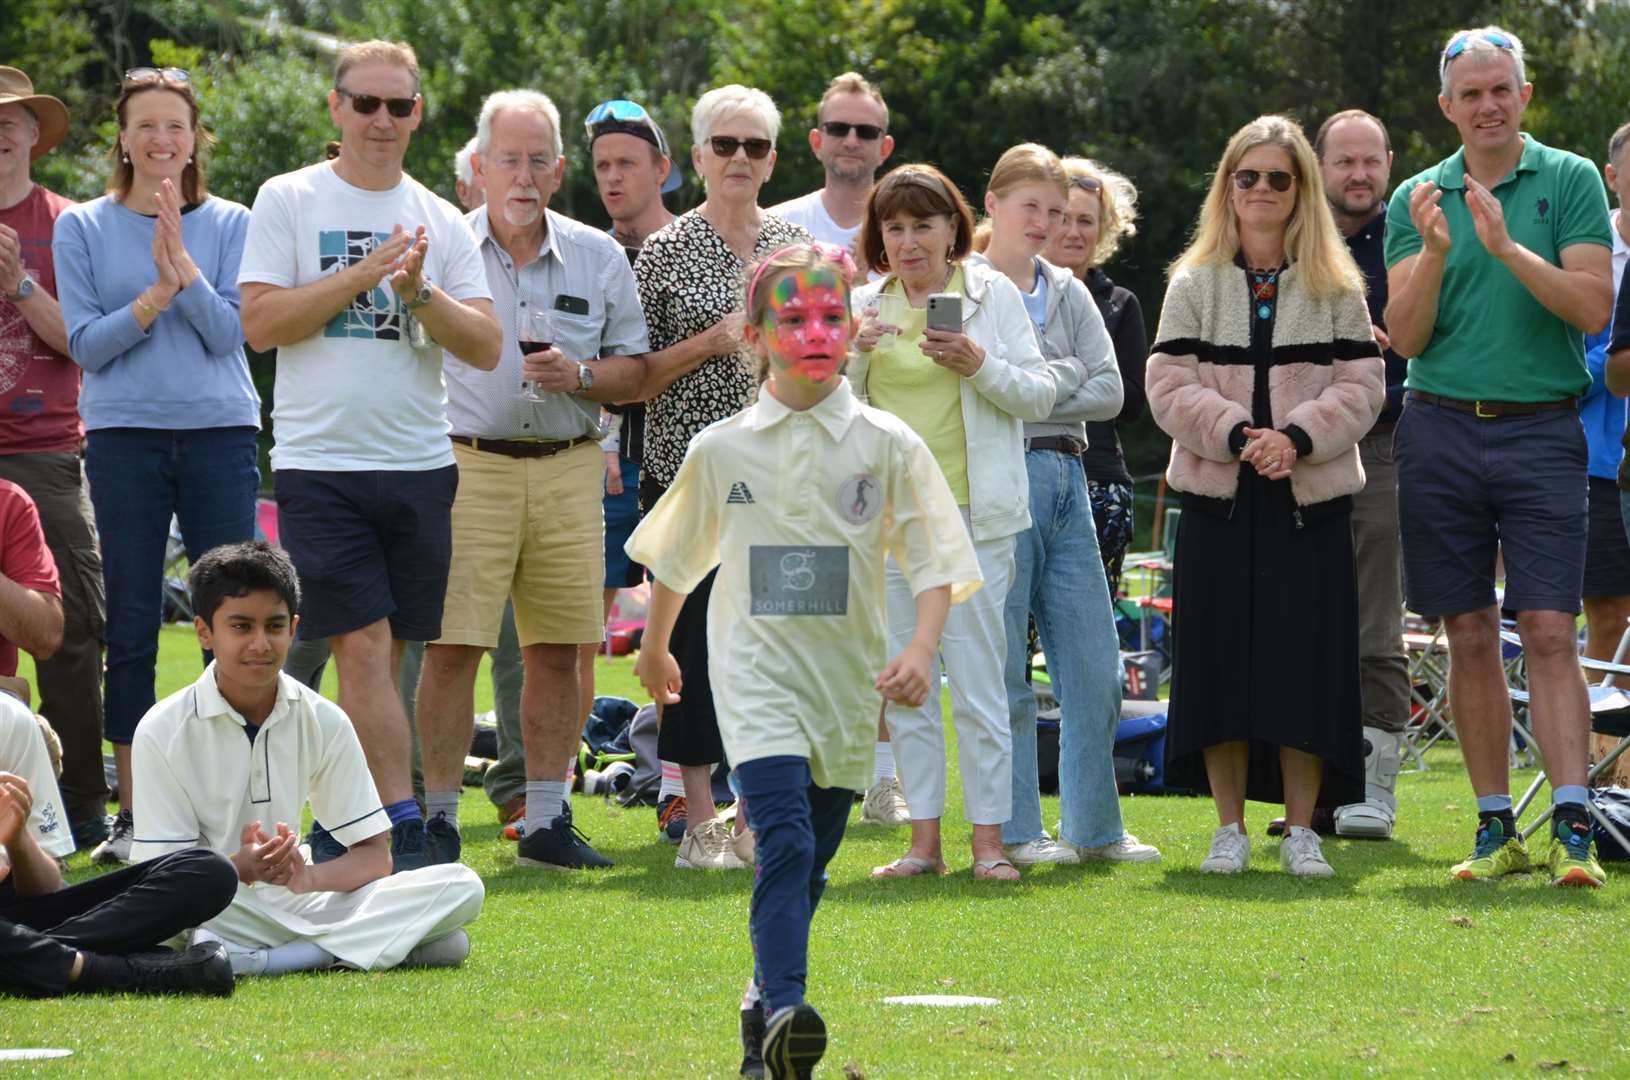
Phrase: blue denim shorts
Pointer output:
(1470, 488)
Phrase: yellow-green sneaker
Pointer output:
(1570, 860)
(1495, 855)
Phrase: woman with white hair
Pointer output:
(690, 276)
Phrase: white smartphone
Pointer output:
(945, 312)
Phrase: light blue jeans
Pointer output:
(1059, 578)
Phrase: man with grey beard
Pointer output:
(527, 519)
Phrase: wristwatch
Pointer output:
(585, 376)
(420, 298)
(25, 289)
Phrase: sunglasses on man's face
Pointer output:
(726, 146)
(368, 104)
(840, 130)
(1278, 179)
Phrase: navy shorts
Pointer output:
(368, 546)
(1469, 488)
(622, 514)
(1607, 557)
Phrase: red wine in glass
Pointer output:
(537, 335)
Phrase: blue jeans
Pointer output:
(1059, 578)
(798, 827)
(206, 477)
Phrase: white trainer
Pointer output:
(885, 804)
(1301, 854)
(1230, 851)
(1043, 849)
(707, 847)
(115, 850)
(1127, 849)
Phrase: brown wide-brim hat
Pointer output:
(17, 89)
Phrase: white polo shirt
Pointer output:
(202, 780)
(800, 511)
(23, 751)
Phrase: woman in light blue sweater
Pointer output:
(148, 279)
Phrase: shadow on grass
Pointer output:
(1528, 891)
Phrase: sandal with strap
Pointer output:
(989, 870)
(910, 866)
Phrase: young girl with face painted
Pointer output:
(799, 500)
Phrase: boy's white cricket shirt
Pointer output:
(202, 780)
(800, 511)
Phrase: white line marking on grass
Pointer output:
(32, 1054)
(944, 1001)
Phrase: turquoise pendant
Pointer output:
(1263, 311)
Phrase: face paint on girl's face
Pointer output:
(807, 325)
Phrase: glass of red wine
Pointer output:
(537, 335)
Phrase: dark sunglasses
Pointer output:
(144, 76)
(1278, 179)
(840, 130)
(368, 104)
(1466, 37)
(726, 146)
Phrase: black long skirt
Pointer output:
(1265, 621)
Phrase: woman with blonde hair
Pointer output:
(1057, 576)
(1102, 211)
(1265, 374)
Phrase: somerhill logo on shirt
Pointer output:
(740, 494)
(1542, 211)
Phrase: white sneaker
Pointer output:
(449, 950)
(885, 804)
(1127, 849)
(115, 850)
(707, 847)
(1043, 849)
(1301, 854)
(1230, 851)
(745, 846)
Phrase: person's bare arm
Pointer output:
(40, 311)
(274, 316)
(33, 872)
(1579, 292)
(31, 619)
(664, 368)
(363, 862)
(616, 378)
(1414, 284)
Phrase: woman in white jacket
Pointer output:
(967, 394)
(1058, 577)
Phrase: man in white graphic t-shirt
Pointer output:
(360, 277)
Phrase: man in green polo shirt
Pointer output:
(1497, 266)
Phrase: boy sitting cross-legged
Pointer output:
(229, 763)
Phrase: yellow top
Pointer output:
(925, 395)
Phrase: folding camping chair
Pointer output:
(1610, 716)
(1428, 657)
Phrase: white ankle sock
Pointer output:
(544, 799)
(883, 767)
(442, 802)
(672, 782)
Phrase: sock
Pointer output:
(442, 802)
(406, 810)
(883, 762)
(1570, 794)
(672, 782)
(295, 956)
(1497, 806)
(752, 997)
(544, 799)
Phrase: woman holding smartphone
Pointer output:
(962, 368)
(148, 279)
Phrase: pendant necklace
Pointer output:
(1264, 286)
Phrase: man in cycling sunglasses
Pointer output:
(851, 141)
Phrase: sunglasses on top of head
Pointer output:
(152, 76)
(838, 129)
(726, 146)
(1458, 44)
(368, 104)
(1278, 179)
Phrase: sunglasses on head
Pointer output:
(145, 76)
(368, 104)
(726, 146)
(1087, 183)
(1458, 43)
(840, 130)
(1278, 179)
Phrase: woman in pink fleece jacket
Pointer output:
(1265, 374)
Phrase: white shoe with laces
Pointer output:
(885, 804)
(1043, 849)
(708, 847)
(1301, 854)
(1230, 851)
(1127, 849)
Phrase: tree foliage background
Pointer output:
(1151, 87)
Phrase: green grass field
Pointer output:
(1389, 969)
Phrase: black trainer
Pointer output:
(202, 969)
(408, 846)
(90, 832)
(442, 841)
(560, 846)
(752, 1041)
(324, 848)
(794, 1040)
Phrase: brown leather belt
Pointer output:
(516, 449)
(1064, 444)
(1494, 410)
